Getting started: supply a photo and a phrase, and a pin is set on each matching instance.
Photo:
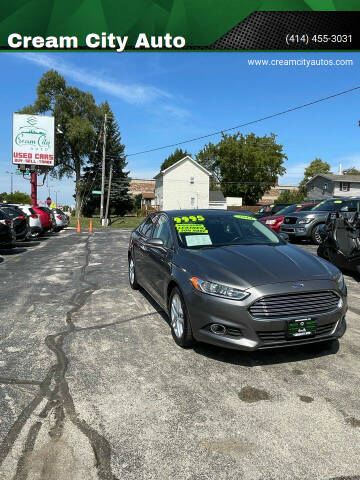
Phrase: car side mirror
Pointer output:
(284, 237)
(155, 242)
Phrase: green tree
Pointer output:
(244, 165)
(16, 197)
(76, 114)
(291, 197)
(316, 166)
(177, 155)
(120, 200)
(351, 171)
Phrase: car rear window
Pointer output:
(12, 212)
(3, 215)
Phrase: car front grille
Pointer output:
(279, 336)
(289, 220)
(294, 304)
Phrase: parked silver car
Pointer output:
(36, 228)
(60, 219)
(225, 278)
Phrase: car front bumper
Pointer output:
(297, 231)
(245, 332)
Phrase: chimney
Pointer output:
(340, 169)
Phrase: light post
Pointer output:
(56, 192)
(11, 181)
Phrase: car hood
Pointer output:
(307, 213)
(251, 265)
(271, 217)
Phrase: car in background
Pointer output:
(226, 279)
(45, 218)
(275, 221)
(306, 225)
(272, 209)
(61, 219)
(7, 232)
(36, 228)
(19, 219)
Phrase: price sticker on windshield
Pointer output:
(191, 218)
(244, 217)
(191, 228)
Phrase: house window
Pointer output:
(344, 186)
(192, 180)
(325, 186)
(192, 201)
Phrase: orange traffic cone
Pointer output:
(78, 228)
(90, 227)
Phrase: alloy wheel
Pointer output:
(131, 271)
(177, 316)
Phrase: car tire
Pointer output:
(315, 234)
(132, 275)
(179, 320)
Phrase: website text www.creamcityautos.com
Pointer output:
(301, 62)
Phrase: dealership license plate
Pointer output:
(303, 327)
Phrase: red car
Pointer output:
(45, 218)
(274, 221)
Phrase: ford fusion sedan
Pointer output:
(275, 221)
(307, 225)
(225, 278)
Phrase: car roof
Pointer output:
(207, 212)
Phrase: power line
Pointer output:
(267, 117)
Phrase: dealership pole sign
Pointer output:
(33, 140)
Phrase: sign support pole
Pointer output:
(33, 182)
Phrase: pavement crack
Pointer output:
(60, 403)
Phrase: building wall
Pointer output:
(159, 192)
(177, 190)
(320, 187)
(273, 194)
(353, 192)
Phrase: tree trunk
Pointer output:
(77, 188)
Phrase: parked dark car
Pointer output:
(225, 278)
(20, 221)
(7, 232)
(272, 209)
(307, 225)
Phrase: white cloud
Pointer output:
(131, 93)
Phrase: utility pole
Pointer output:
(108, 193)
(103, 176)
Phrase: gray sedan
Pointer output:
(225, 278)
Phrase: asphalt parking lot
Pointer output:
(94, 387)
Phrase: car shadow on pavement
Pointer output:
(11, 251)
(27, 244)
(268, 357)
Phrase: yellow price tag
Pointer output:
(244, 217)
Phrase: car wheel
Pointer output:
(315, 234)
(132, 275)
(180, 325)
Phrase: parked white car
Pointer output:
(36, 228)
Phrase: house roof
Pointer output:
(337, 178)
(178, 164)
(216, 196)
(148, 195)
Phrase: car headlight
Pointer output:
(218, 290)
(340, 282)
(270, 222)
(304, 220)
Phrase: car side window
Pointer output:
(162, 230)
(147, 227)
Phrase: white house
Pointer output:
(185, 184)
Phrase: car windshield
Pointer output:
(288, 209)
(202, 231)
(330, 205)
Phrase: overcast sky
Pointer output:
(163, 98)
